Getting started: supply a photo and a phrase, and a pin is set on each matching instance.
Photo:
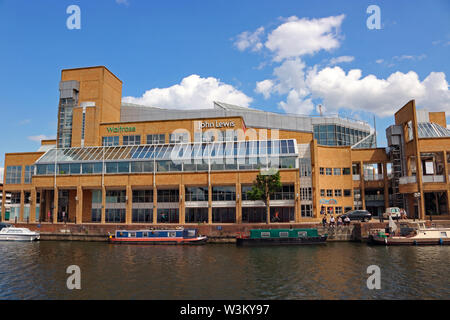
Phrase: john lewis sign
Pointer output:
(217, 124)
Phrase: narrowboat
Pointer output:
(177, 236)
(407, 235)
(281, 237)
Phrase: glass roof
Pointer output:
(432, 130)
(172, 151)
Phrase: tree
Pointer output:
(263, 187)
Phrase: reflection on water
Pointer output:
(333, 271)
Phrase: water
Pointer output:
(332, 271)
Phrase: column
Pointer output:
(238, 202)
(79, 206)
(33, 205)
(103, 216)
(22, 202)
(155, 205)
(181, 216)
(129, 205)
(363, 187)
(3, 212)
(446, 170)
(55, 205)
(209, 204)
(297, 198)
(386, 186)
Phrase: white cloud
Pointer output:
(350, 90)
(264, 87)
(41, 137)
(379, 61)
(296, 104)
(410, 57)
(298, 37)
(124, 2)
(194, 92)
(251, 40)
(341, 59)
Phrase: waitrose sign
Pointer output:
(121, 129)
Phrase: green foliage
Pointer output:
(264, 186)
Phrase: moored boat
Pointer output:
(176, 236)
(10, 233)
(407, 235)
(281, 237)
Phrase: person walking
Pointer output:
(332, 221)
(324, 221)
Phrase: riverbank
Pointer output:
(225, 233)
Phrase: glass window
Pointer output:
(13, 175)
(156, 138)
(328, 171)
(114, 215)
(337, 171)
(345, 171)
(196, 193)
(29, 171)
(131, 140)
(196, 215)
(329, 192)
(347, 193)
(322, 171)
(224, 215)
(168, 215)
(322, 192)
(338, 193)
(223, 193)
(142, 196)
(110, 141)
(168, 195)
(115, 196)
(306, 210)
(142, 215)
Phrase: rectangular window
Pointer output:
(115, 196)
(29, 171)
(110, 141)
(142, 215)
(223, 193)
(328, 172)
(114, 215)
(305, 193)
(345, 171)
(156, 139)
(224, 215)
(179, 137)
(322, 192)
(306, 210)
(168, 215)
(337, 171)
(322, 171)
(15, 197)
(131, 140)
(338, 210)
(196, 215)
(13, 175)
(338, 193)
(169, 195)
(142, 196)
(329, 192)
(347, 193)
(286, 193)
(305, 167)
(196, 193)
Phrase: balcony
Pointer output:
(433, 179)
(374, 177)
(407, 180)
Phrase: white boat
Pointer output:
(412, 235)
(11, 233)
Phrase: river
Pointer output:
(332, 271)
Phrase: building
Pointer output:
(115, 162)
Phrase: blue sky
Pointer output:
(225, 49)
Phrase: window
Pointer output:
(337, 171)
(96, 215)
(328, 172)
(305, 167)
(156, 138)
(286, 193)
(329, 192)
(347, 193)
(306, 210)
(338, 193)
(196, 215)
(305, 193)
(322, 192)
(338, 210)
(131, 140)
(29, 171)
(13, 175)
(265, 234)
(168, 215)
(114, 215)
(224, 215)
(322, 171)
(244, 190)
(221, 193)
(254, 214)
(142, 196)
(169, 195)
(196, 194)
(345, 171)
(15, 197)
(142, 215)
(115, 196)
(110, 141)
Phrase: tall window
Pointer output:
(29, 170)
(168, 215)
(306, 210)
(131, 140)
(305, 167)
(142, 196)
(306, 193)
(286, 193)
(170, 195)
(110, 141)
(196, 215)
(13, 175)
